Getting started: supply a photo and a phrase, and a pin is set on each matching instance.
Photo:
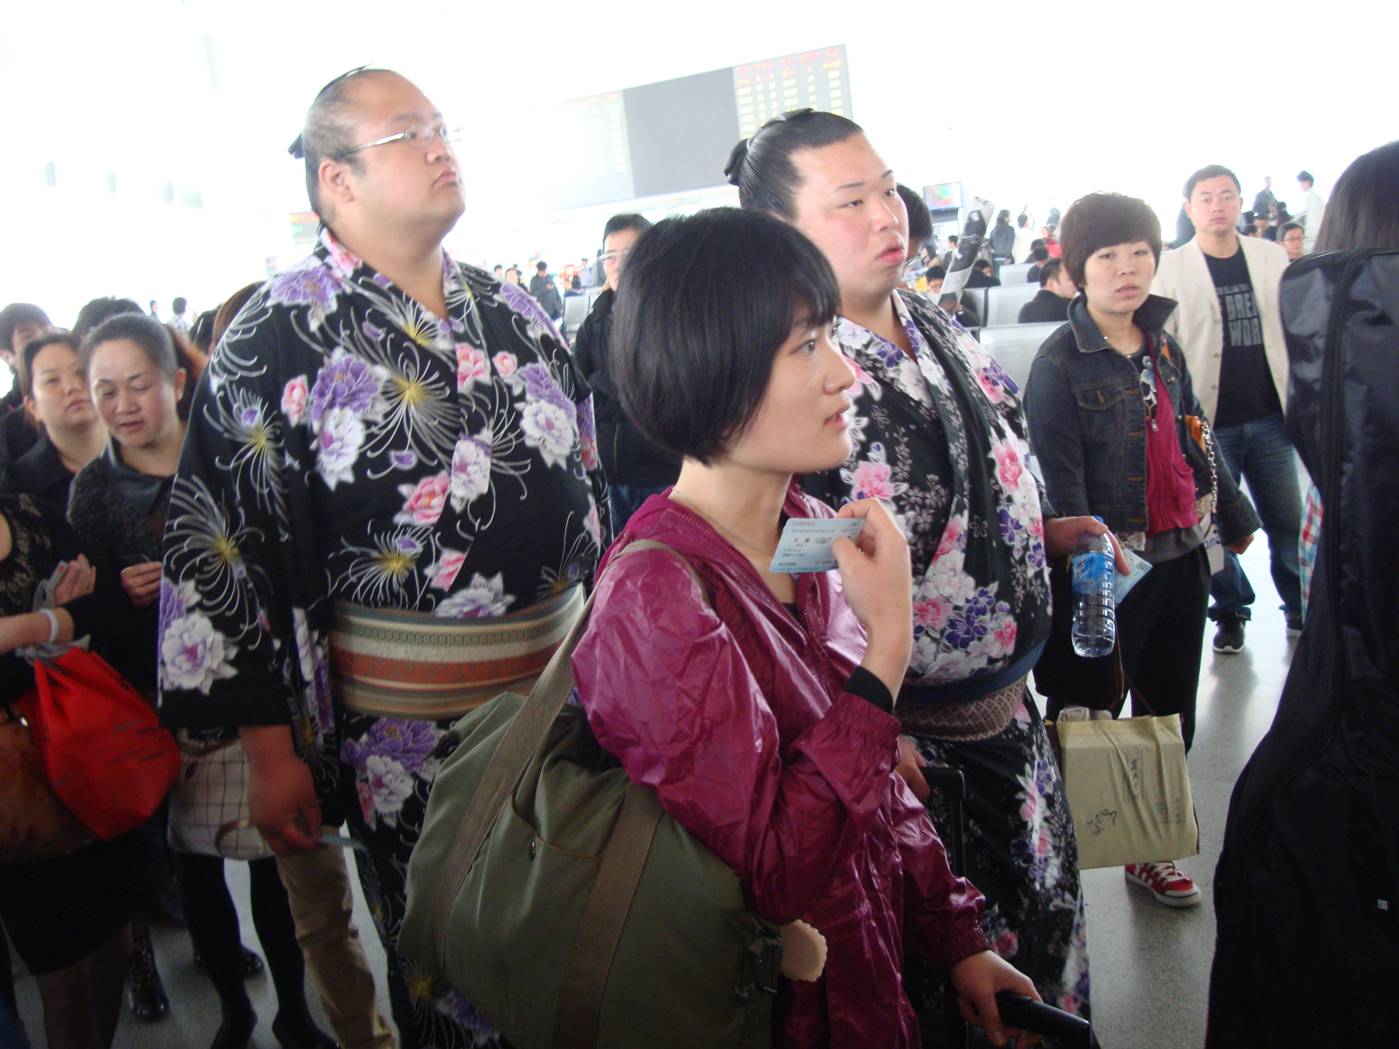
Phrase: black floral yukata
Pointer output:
(940, 438)
(347, 445)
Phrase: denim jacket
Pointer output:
(1088, 426)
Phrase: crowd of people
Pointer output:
(381, 438)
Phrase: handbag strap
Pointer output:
(578, 1012)
(514, 752)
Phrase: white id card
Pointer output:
(806, 544)
(1122, 584)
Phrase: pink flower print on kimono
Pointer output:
(425, 500)
(872, 477)
(473, 366)
(295, 395)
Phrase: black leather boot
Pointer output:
(144, 991)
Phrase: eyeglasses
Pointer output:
(615, 256)
(419, 138)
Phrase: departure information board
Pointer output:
(809, 80)
(675, 135)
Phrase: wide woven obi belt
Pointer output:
(397, 664)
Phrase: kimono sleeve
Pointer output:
(227, 587)
(669, 694)
(576, 388)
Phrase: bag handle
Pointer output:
(517, 749)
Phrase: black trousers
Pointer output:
(1161, 632)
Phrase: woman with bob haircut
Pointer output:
(1108, 401)
(758, 705)
(937, 435)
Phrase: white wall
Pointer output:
(1024, 103)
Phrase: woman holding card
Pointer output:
(1108, 402)
(937, 435)
(758, 704)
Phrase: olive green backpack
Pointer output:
(556, 897)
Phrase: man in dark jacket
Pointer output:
(1051, 303)
(635, 468)
(546, 293)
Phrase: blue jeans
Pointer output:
(625, 499)
(1260, 453)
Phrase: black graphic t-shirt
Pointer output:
(1246, 390)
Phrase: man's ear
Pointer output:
(335, 183)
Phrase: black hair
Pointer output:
(761, 167)
(920, 222)
(24, 361)
(201, 332)
(18, 315)
(933, 273)
(1210, 171)
(705, 303)
(1039, 253)
(1362, 212)
(1022, 220)
(952, 238)
(540, 267)
(982, 264)
(328, 133)
(1288, 227)
(147, 333)
(1049, 270)
(178, 305)
(1003, 218)
(623, 222)
(1100, 220)
(1306, 176)
(95, 311)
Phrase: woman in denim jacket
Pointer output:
(1108, 401)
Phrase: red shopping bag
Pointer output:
(103, 750)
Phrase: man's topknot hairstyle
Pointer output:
(761, 167)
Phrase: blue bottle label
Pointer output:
(1091, 572)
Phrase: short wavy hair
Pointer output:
(1100, 220)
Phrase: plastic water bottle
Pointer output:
(1094, 627)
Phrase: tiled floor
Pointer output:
(1150, 963)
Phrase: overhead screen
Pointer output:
(675, 135)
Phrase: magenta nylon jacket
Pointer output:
(736, 715)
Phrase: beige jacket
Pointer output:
(1196, 324)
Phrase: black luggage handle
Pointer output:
(1018, 1011)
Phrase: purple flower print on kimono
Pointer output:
(193, 653)
(311, 285)
(481, 598)
(344, 382)
(386, 762)
(345, 393)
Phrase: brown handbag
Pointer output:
(34, 824)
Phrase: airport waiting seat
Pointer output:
(575, 310)
(1015, 274)
(976, 297)
(1014, 346)
(1003, 303)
